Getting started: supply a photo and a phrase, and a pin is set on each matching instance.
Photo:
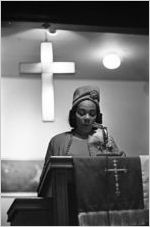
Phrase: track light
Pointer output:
(49, 27)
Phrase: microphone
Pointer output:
(104, 131)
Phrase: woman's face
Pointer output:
(85, 115)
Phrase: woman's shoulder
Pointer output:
(60, 136)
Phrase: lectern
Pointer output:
(108, 188)
(57, 182)
(94, 191)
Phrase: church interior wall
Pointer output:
(24, 136)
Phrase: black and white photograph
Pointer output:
(75, 113)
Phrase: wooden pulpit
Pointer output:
(95, 191)
(57, 182)
(108, 186)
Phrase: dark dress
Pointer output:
(68, 143)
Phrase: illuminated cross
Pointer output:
(115, 170)
(47, 67)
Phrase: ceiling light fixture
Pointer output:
(111, 61)
(49, 27)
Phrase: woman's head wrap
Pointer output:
(86, 93)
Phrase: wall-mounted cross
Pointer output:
(47, 67)
(116, 171)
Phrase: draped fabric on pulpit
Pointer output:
(110, 191)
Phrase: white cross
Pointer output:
(47, 67)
